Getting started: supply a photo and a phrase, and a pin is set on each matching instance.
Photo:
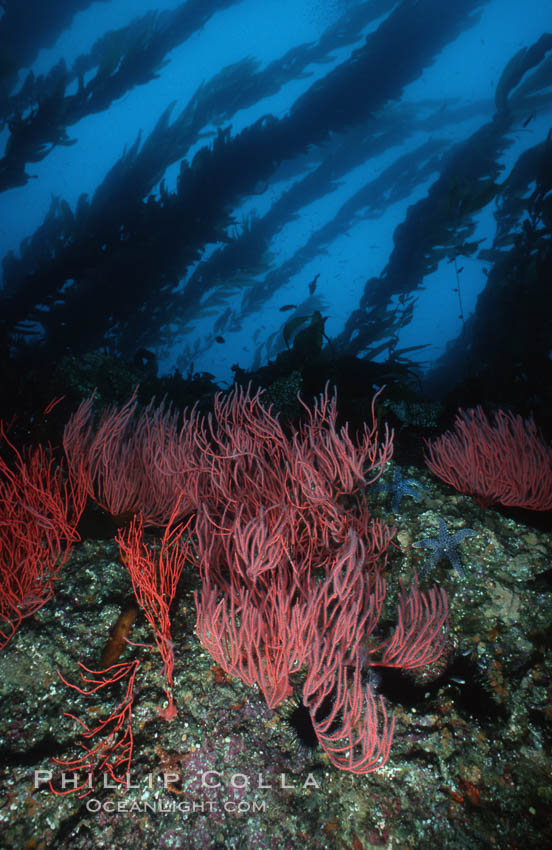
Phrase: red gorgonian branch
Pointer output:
(136, 461)
(154, 575)
(112, 754)
(506, 462)
(39, 513)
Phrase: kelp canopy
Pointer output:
(138, 263)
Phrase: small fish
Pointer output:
(312, 284)
(288, 307)
(528, 120)
(461, 269)
(220, 340)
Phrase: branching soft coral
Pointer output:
(506, 462)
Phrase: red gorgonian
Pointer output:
(506, 461)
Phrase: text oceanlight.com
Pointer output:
(159, 807)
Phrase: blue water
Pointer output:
(455, 81)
